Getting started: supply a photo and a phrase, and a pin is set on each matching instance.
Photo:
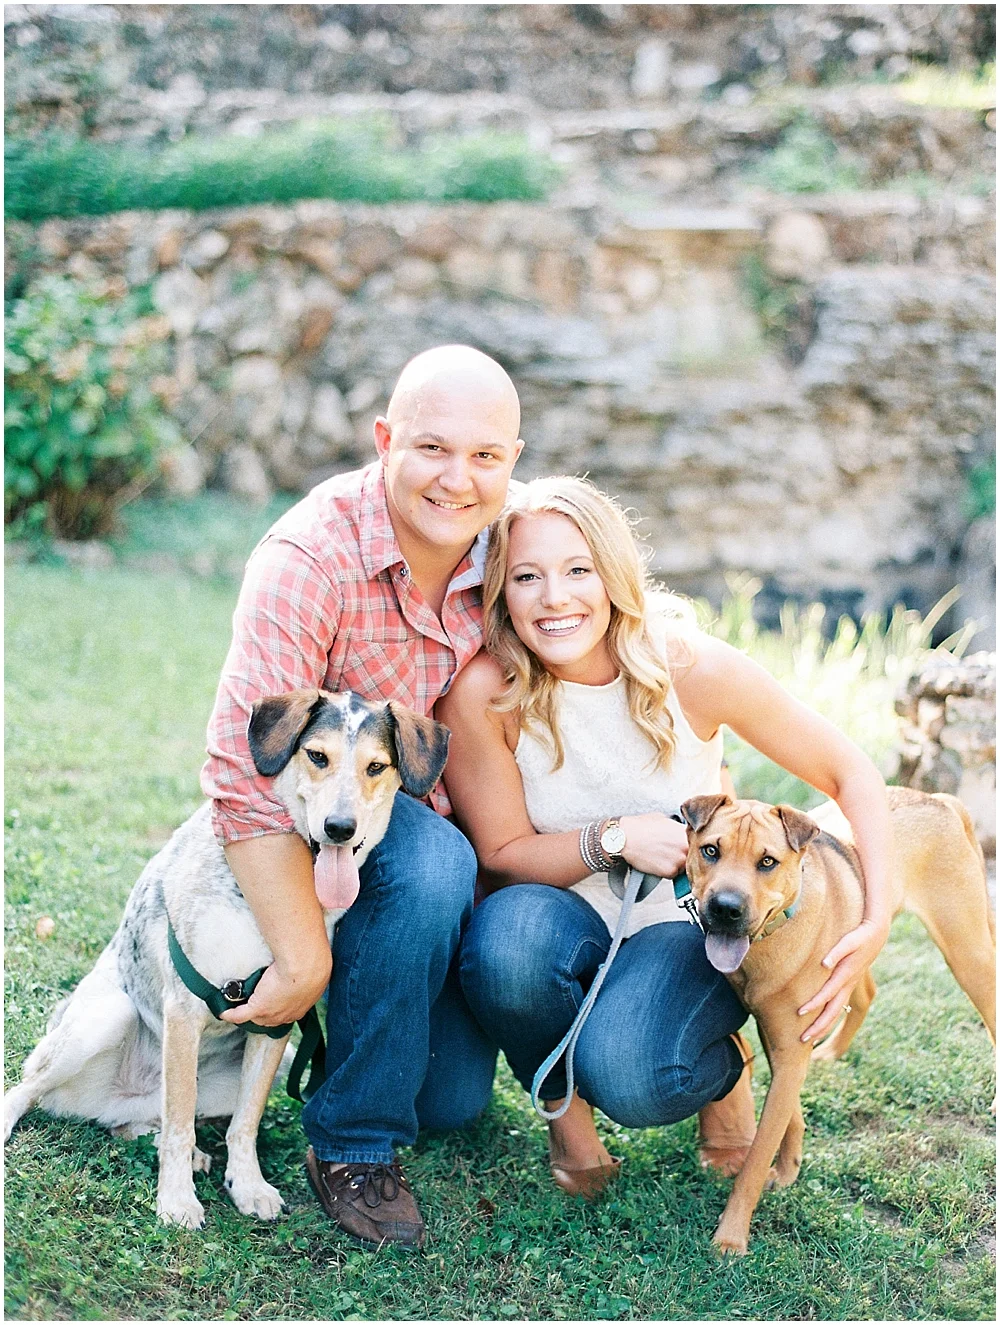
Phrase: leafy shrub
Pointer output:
(58, 176)
(852, 679)
(806, 160)
(83, 429)
(981, 489)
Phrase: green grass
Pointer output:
(110, 679)
(59, 176)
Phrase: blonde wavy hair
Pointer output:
(529, 687)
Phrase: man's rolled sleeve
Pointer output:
(283, 629)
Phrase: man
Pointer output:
(372, 583)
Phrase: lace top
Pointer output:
(608, 770)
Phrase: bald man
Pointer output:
(372, 583)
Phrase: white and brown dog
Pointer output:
(132, 1047)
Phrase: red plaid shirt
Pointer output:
(327, 601)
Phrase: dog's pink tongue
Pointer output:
(725, 951)
(336, 877)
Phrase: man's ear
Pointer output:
(276, 724)
(421, 749)
(700, 809)
(383, 437)
(799, 828)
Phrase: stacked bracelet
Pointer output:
(592, 853)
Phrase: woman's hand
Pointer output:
(655, 844)
(849, 958)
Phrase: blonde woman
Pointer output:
(595, 710)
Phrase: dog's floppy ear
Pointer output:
(276, 725)
(799, 828)
(700, 809)
(421, 749)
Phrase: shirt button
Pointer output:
(404, 573)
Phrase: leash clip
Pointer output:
(691, 908)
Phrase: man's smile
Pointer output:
(450, 505)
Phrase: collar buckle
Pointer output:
(232, 991)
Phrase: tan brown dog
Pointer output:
(775, 893)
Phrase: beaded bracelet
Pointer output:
(592, 853)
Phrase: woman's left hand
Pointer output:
(850, 958)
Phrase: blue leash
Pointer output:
(631, 886)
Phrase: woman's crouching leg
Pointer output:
(657, 1046)
(526, 961)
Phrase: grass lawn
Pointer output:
(110, 678)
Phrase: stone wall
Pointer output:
(143, 68)
(635, 349)
(949, 719)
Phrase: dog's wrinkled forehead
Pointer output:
(741, 824)
(350, 716)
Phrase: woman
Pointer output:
(594, 712)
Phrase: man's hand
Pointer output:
(281, 996)
(850, 958)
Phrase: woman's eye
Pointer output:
(523, 578)
(318, 758)
(375, 768)
(580, 570)
(767, 862)
(710, 852)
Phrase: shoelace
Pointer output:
(381, 1183)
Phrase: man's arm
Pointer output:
(283, 630)
(275, 874)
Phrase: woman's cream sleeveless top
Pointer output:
(609, 770)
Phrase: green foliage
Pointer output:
(58, 176)
(83, 429)
(891, 1218)
(851, 679)
(981, 489)
(953, 88)
(776, 302)
(806, 160)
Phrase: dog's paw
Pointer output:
(729, 1243)
(827, 1052)
(200, 1162)
(255, 1197)
(184, 1210)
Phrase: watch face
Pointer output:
(613, 839)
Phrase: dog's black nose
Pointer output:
(340, 830)
(727, 910)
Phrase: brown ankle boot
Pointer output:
(726, 1127)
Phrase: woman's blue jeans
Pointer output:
(403, 1050)
(656, 1045)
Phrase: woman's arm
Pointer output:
(487, 795)
(721, 686)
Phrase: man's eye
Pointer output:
(318, 758)
(710, 852)
(767, 863)
(487, 455)
(375, 768)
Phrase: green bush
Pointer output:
(82, 427)
(806, 160)
(981, 489)
(57, 176)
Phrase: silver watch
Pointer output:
(612, 838)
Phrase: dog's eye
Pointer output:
(318, 758)
(767, 863)
(710, 852)
(375, 768)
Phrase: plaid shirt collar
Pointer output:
(380, 548)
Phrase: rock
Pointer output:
(244, 475)
(181, 296)
(798, 248)
(977, 578)
(206, 249)
(328, 416)
(370, 247)
(45, 927)
(183, 471)
(651, 71)
(89, 554)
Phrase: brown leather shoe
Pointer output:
(372, 1202)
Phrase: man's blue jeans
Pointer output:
(403, 1049)
(656, 1046)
